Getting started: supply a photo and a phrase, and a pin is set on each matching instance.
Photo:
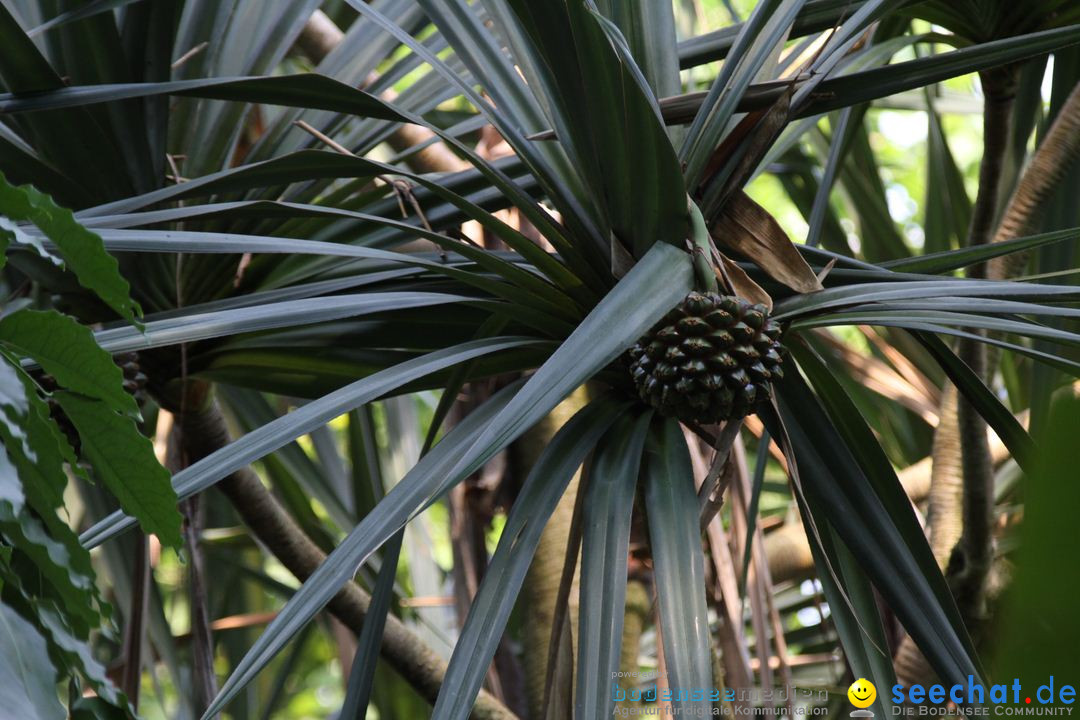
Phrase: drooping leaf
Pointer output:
(123, 459)
(491, 608)
(27, 676)
(82, 250)
(309, 90)
(271, 436)
(679, 562)
(885, 539)
(612, 478)
(753, 232)
(67, 351)
(651, 288)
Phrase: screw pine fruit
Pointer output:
(710, 359)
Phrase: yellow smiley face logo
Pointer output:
(862, 693)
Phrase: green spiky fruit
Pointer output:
(710, 359)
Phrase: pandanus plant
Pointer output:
(263, 236)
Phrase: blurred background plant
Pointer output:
(375, 258)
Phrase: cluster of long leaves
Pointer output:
(271, 264)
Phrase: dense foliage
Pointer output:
(511, 271)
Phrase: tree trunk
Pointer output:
(541, 586)
(203, 432)
(961, 427)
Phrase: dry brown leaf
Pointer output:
(751, 231)
(746, 144)
(741, 284)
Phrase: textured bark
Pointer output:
(960, 426)
(1051, 160)
(944, 521)
(969, 564)
(1047, 168)
(203, 432)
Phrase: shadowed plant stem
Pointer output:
(969, 564)
(962, 461)
(204, 431)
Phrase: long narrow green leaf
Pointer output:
(67, 351)
(880, 536)
(985, 402)
(268, 438)
(309, 90)
(799, 305)
(544, 487)
(202, 326)
(679, 562)
(362, 673)
(123, 460)
(635, 171)
(860, 626)
(866, 85)
(950, 260)
(81, 249)
(649, 290)
(605, 542)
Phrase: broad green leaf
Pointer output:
(123, 459)
(679, 563)
(32, 480)
(27, 676)
(67, 351)
(1044, 584)
(612, 479)
(82, 250)
(64, 642)
(53, 561)
(15, 407)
